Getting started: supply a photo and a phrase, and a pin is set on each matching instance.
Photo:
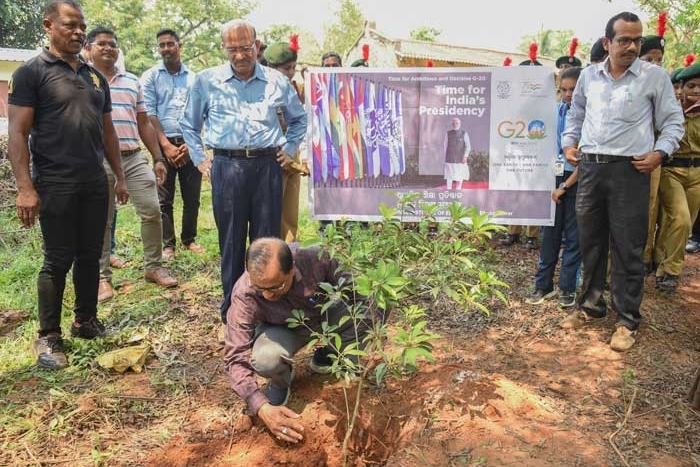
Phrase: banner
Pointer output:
(479, 136)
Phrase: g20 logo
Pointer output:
(535, 129)
(512, 129)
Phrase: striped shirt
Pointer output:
(127, 101)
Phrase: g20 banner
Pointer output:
(478, 136)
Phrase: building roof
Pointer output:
(17, 55)
(415, 49)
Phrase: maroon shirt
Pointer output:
(248, 309)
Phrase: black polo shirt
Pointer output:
(67, 134)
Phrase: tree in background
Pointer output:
(554, 43)
(137, 21)
(682, 26)
(20, 23)
(309, 50)
(346, 30)
(425, 33)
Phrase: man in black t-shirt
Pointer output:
(64, 105)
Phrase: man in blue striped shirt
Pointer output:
(131, 123)
(236, 106)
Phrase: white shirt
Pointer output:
(619, 116)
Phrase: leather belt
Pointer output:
(683, 162)
(602, 158)
(176, 140)
(129, 152)
(249, 153)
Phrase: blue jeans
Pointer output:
(247, 204)
(551, 238)
(72, 216)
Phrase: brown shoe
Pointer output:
(116, 262)
(578, 319)
(195, 248)
(623, 339)
(168, 254)
(104, 291)
(162, 277)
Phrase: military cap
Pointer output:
(364, 61)
(652, 43)
(688, 73)
(533, 57)
(359, 62)
(674, 75)
(573, 61)
(279, 53)
(598, 52)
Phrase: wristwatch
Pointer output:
(562, 186)
(664, 155)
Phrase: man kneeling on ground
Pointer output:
(280, 278)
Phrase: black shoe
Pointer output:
(321, 362)
(668, 283)
(531, 243)
(49, 352)
(539, 296)
(510, 240)
(566, 299)
(88, 329)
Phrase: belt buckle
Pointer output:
(599, 159)
(248, 153)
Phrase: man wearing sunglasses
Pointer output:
(280, 278)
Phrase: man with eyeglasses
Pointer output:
(236, 106)
(165, 88)
(132, 124)
(64, 105)
(610, 134)
(280, 278)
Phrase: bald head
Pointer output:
(265, 251)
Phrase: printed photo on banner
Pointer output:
(478, 136)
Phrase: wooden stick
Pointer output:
(624, 422)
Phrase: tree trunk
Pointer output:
(694, 395)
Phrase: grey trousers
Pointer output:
(275, 345)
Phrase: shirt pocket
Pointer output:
(628, 107)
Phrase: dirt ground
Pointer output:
(507, 389)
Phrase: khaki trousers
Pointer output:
(651, 251)
(530, 230)
(680, 201)
(291, 183)
(143, 194)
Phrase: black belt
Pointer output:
(249, 153)
(176, 140)
(683, 162)
(602, 158)
(129, 152)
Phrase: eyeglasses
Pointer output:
(246, 49)
(105, 44)
(167, 45)
(626, 41)
(274, 289)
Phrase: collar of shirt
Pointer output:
(226, 74)
(182, 71)
(604, 67)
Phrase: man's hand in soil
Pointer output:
(282, 422)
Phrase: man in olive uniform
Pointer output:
(282, 56)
